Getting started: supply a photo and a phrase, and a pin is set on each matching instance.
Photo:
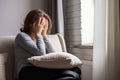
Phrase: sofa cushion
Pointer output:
(55, 41)
(3, 57)
(55, 60)
(7, 46)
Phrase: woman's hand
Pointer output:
(41, 26)
(38, 26)
(44, 31)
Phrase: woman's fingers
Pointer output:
(43, 21)
(41, 25)
(40, 20)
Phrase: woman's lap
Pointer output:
(34, 73)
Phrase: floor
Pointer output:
(86, 70)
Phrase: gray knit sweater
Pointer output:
(25, 47)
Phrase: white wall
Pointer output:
(13, 12)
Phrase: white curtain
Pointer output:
(105, 56)
(99, 51)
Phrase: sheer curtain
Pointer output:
(60, 21)
(56, 13)
(106, 43)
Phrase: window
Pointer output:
(87, 22)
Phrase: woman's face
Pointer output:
(40, 26)
(43, 22)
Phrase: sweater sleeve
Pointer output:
(49, 46)
(24, 40)
(40, 43)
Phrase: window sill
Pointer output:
(84, 46)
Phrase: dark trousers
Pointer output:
(35, 73)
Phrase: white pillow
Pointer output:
(3, 57)
(55, 60)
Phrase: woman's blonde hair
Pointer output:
(32, 17)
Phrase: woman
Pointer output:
(33, 41)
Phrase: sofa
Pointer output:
(7, 53)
